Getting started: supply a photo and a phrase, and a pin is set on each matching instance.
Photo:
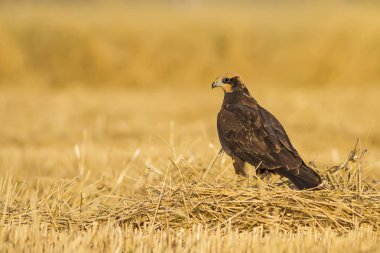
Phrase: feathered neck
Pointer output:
(239, 97)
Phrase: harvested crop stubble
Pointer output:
(346, 201)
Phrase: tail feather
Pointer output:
(303, 178)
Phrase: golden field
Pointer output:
(108, 126)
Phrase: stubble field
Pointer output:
(108, 136)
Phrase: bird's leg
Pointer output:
(239, 166)
(265, 175)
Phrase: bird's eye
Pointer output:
(226, 80)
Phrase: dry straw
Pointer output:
(347, 200)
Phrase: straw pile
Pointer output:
(345, 201)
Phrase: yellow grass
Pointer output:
(129, 45)
(198, 239)
(108, 136)
(84, 169)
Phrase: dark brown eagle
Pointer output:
(249, 133)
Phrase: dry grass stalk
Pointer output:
(347, 201)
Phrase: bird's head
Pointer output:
(230, 83)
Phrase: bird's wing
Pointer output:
(256, 136)
(276, 130)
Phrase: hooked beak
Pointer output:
(216, 83)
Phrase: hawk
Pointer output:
(249, 133)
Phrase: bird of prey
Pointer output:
(249, 133)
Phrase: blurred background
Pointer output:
(89, 85)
